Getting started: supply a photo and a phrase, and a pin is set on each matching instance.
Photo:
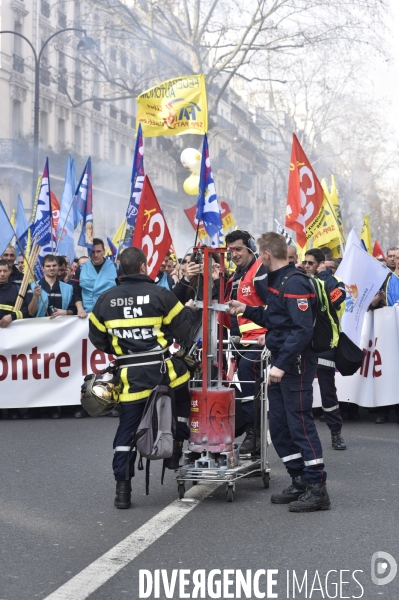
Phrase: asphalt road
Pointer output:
(57, 517)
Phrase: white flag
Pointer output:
(363, 276)
(353, 238)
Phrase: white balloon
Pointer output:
(191, 160)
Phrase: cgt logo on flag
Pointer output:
(302, 304)
(151, 232)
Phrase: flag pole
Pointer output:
(196, 235)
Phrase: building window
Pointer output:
(45, 9)
(78, 139)
(123, 154)
(44, 128)
(112, 54)
(16, 118)
(61, 134)
(112, 150)
(17, 39)
(62, 20)
(96, 145)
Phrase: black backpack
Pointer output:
(153, 439)
(326, 317)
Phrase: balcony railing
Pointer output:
(78, 93)
(166, 195)
(44, 76)
(225, 124)
(223, 163)
(244, 213)
(62, 20)
(45, 9)
(260, 159)
(248, 146)
(245, 180)
(96, 105)
(17, 63)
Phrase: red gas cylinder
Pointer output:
(212, 420)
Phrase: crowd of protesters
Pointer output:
(72, 288)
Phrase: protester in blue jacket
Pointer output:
(92, 279)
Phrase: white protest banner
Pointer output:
(363, 276)
(43, 362)
(375, 384)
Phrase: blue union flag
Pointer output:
(84, 202)
(136, 188)
(208, 209)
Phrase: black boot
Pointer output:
(173, 462)
(315, 498)
(247, 446)
(123, 492)
(291, 493)
(337, 441)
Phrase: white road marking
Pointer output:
(101, 570)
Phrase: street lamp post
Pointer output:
(86, 42)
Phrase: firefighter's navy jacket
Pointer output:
(289, 321)
(8, 296)
(16, 276)
(137, 321)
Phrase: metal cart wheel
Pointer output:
(230, 493)
(266, 481)
(181, 489)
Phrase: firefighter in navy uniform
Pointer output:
(8, 296)
(248, 285)
(137, 321)
(289, 323)
(16, 276)
(314, 265)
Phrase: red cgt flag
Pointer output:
(151, 232)
(305, 195)
(378, 251)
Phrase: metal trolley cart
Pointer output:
(212, 454)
